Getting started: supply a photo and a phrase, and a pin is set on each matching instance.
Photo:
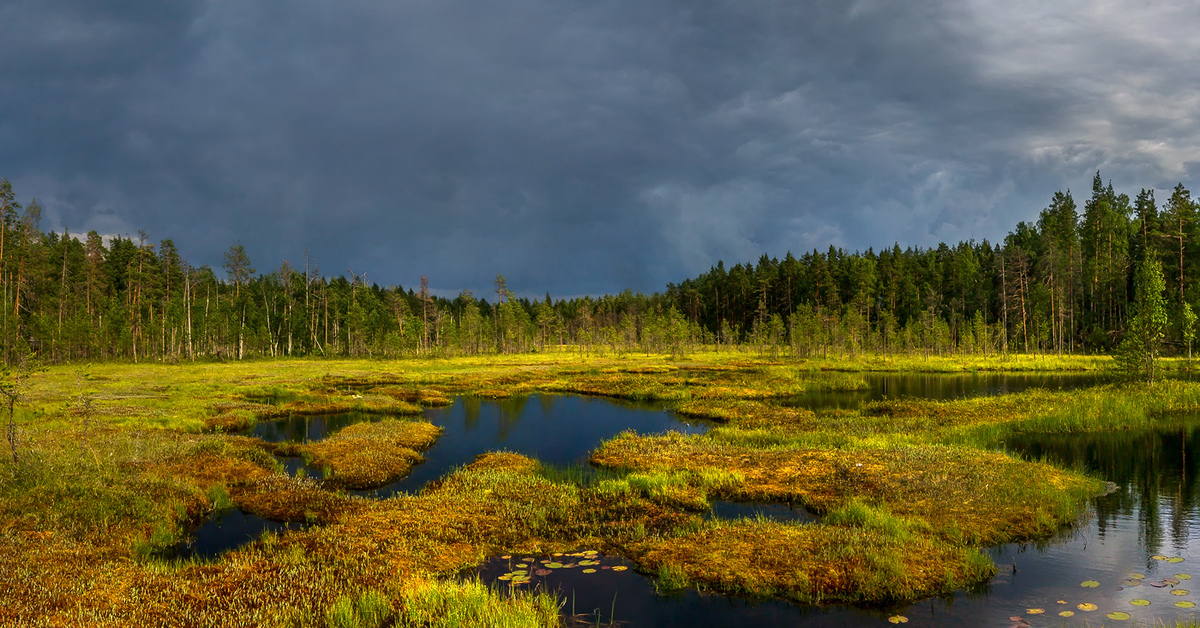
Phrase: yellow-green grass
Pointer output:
(815, 563)
(1107, 407)
(750, 414)
(367, 455)
(85, 507)
(962, 494)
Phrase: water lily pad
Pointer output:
(1158, 585)
(1087, 606)
(1118, 615)
(556, 554)
(506, 557)
(589, 570)
(1089, 584)
(605, 567)
(1180, 592)
(1067, 614)
(620, 568)
(1171, 581)
(543, 572)
(1158, 557)
(1062, 601)
(1136, 576)
(1183, 576)
(1035, 611)
(585, 563)
(898, 619)
(1140, 602)
(1174, 559)
(504, 577)
(1131, 582)
(554, 565)
(1185, 604)
(569, 566)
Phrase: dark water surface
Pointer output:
(222, 531)
(556, 429)
(308, 428)
(785, 513)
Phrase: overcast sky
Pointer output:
(583, 146)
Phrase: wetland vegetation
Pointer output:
(907, 495)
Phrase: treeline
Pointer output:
(1061, 285)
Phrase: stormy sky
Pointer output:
(581, 146)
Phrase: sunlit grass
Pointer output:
(907, 493)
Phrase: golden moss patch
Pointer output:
(816, 563)
(366, 455)
(963, 493)
(750, 414)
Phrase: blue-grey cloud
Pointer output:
(583, 147)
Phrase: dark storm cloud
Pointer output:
(580, 146)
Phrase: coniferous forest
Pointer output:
(1061, 285)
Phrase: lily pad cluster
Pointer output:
(525, 569)
(1129, 581)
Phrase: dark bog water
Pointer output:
(750, 510)
(307, 428)
(943, 386)
(556, 429)
(222, 531)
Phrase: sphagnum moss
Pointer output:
(977, 496)
(367, 455)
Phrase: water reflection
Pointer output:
(224, 530)
(555, 429)
(307, 428)
(1156, 471)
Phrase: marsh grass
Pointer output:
(688, 489)
(81, 513)
(368, 455)
(750, 414)
(472, 603)
(815, 563)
